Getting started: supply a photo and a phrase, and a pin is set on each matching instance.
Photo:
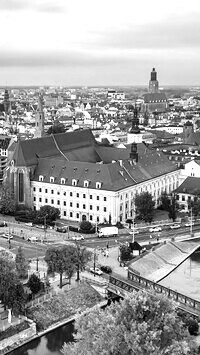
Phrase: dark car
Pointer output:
(61, 229)
(3, 224)
(106, 269)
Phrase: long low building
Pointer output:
(84, 179)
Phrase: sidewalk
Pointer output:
(112, 261)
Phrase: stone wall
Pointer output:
(18, 338)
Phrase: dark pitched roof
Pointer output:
(189, 186)
(194, 138)
(155, 97)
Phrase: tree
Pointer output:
(7, 201)
(86, 225)
(170, 204)
(49, 213)
(21, 263)
(165, 201)
(56, 128)
(125, 253)
(55, 258)
(144, 206)
(141, 324)
(80, 259)
(34, 284)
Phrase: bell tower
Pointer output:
(39, 119)
(153, 83)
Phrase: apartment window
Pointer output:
(77, 215)
(98, 198)
(97, 208)
(105, 199)
(58, 192)
(84, 195)
(34, 198)
(71, 204)
(183, 198)
(74, 182)
(77, 195)
(91, 218)
(58, 202)
(84, 207)
(40, 178)
(52, 192)
(71, 194)
(46, 191)
(104, 209)
(90, 197)
(71, 214)
(40, 199)
(51, 179)
(86, 183)
(40, 190)
(98, 185)
(62, 181)
(64, 213)
(52, 202)
(34, 189)
(64, 203)
(46, 200)
(97, 218)
(64, 193)
(77, 205)
(90, 207)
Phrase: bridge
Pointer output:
(117, 286)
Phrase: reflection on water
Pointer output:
(186, 278)
(49, 344)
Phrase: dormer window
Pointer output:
(62, 181)
(86, 183)
(52, 179)
(41, 178)
(98, 185)
(74, 182)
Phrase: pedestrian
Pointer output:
(107, 246)
(107, 253)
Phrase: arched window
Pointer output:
(21, 187)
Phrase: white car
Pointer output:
(96, 271)
(188, 224)
(7, 235)
(155, 229)
(136, 231)
(78, 237)
(175, 226)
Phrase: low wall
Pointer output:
(18, 338)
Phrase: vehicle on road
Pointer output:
(106, 269)
(32, 239)
(78, 237)
(3, 224)
(62, 229)
(7, 235)
(136, 231)
(155, 229)
(111, 231)
(96, 271)
(175, 226)
(29, 224)
(188, 224)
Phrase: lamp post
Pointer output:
(36, 256)
(45, 226)
(191, 222)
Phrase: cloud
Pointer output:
(33, 5)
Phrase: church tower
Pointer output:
(7, 106)
(153, 83)
(39, 119)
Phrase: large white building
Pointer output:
(85, 179)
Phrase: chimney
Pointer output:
(134, 153)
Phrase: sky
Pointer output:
(105, 42)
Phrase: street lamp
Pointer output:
(191, 222)
(36, 256)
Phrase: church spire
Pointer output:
(153, 83)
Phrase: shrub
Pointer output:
(85, 225)
(73, 229)
(193, 326)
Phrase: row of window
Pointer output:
(77, 194)
(74, 181)
(71, 204)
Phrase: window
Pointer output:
(84, 195)
(62, 180)
(77, 205)
(40, 190)
(34, 198)
(71, 204)
(64, 213)
(91, 218)
(58, 192)
(90, 207)
(71, 194)
(77, 215)
(64, 203)
(46, 191)
(84, 207)
(71, 214)
(41, 178)
(34, 189)
(58, 202)
(90, 197)
(105, 199)
(97, 218)
(64, 193)
(52, 192)
(51, 179)
(104, 209)
(77, 195)
(52, 202)
(98, 185)
(40, 199)
(97, 208)
(98, 198)
(183, 198)
(46, 200)
(86, 183)
(74, 182)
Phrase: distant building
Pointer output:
(39, 119)
(153, 82)
(155, 101)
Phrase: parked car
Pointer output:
(61, 229)
(96, 271)
(136, 231)
(106, 269)
(3, 224)
(7, 235)
(175, 226)
(155, 229)
(78, 237)
(32, 239)
(188, 224)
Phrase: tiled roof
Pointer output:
(155, 97)
(189, 186)
(194, 138)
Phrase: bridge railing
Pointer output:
(136, 282)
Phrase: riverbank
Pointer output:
(101, 303)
